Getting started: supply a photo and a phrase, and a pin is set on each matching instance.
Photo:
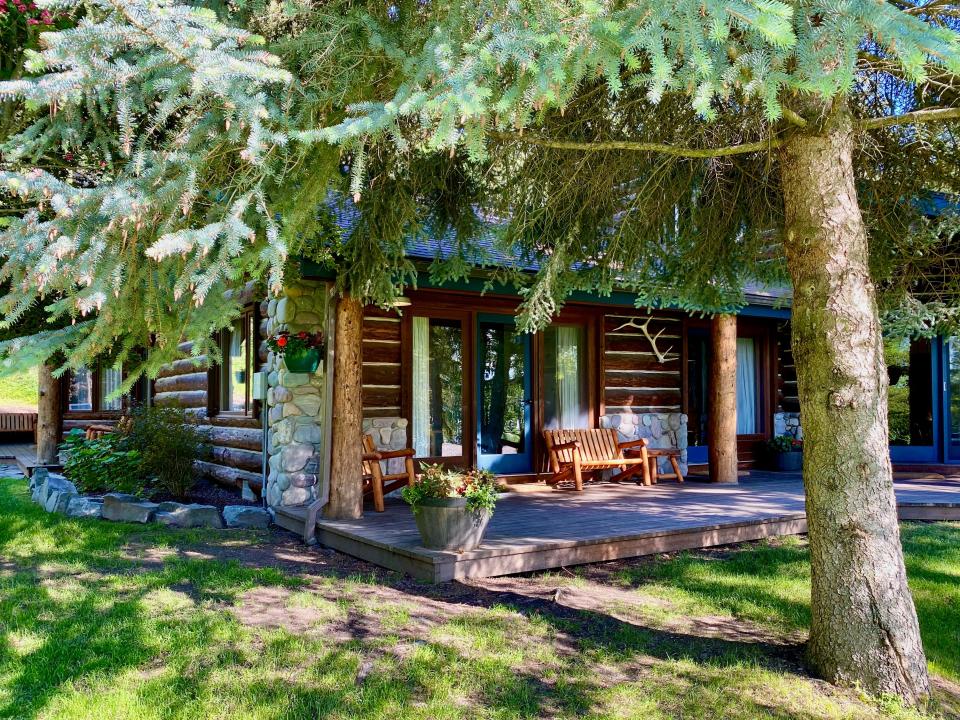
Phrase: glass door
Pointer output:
(504, 436)
(952, 387)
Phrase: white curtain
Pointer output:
(421, 386)
(110, 379)
(746, 387)
(568, 377)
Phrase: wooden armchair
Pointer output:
(375, 481)
(576, 453)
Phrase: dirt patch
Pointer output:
(267, 607)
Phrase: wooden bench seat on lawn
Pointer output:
(578, 453)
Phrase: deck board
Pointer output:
(546, 528)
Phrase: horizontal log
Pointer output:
(616, 361)
(186, 346)
(234, 437)
(189, 399)
(650, 379)
(183, 366)
(372, 311)
(642, 398)
(381, 352)
(69, 424)
(239, 421)
(235, 458)
(181, 383)
(380, 396)
(671, 346)
(231, 477)
(381, 374)
(381, 330)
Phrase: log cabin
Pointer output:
(446, 373)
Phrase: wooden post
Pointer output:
(48, 415)
(346, 473)
(722, 410)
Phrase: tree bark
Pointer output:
(722, 410)
(48, 415)
(346, 480)
(864, 626)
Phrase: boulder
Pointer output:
(37, 478)
(246, 516)
(188, 516)
(84, 507)
(56, 493)
(127, 508)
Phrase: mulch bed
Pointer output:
(207, 492)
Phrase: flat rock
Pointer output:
(188, 516)
(127, 508)
(84, 507)
(246, 516)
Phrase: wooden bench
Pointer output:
(674, 455)
(576, 453)
(19, 423)
(375, 481)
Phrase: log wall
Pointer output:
(635, 379)
(382, 359)
(787, 397)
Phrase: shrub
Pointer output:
(107, 464)
(168, 441)
(479, 487)
(784, 444)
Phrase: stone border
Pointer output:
(55, 494)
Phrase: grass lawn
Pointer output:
(19, 391)
(105, 621)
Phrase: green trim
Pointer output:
(313, 271)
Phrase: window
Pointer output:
(438, 382)
(910, 394)
(236, 371)
(91, 390)
(565, 379)
(746, 386)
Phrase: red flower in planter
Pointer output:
(282, 341)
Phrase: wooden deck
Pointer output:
(543, 528)
(25, 457)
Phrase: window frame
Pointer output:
(218, 374)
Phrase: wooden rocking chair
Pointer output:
(375, 481)
(575, 453)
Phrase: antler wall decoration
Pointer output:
(661, 356)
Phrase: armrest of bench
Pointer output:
(631, 444)
(572, 445)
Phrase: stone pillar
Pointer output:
(295, 400)
(662, 430)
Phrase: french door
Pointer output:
(503, 396)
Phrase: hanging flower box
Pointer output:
(301, 352)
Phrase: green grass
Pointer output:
(19, 390)
(105, 621)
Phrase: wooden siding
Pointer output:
(634, 378)
(787, 395)
(382, 371)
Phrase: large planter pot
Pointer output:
(446, 524)
(790, 461)
(305, 361)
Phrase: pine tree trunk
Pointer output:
(722, 409)
(48, 415)
(864, 626)
(346, 491)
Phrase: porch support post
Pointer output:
(346, 479)
(722, 415)
(48, 415)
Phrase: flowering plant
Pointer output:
(784, 444)
(479, 487)
(295, 343)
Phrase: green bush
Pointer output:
(107, 464)
(169, 442)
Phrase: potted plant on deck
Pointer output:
(786, 452)
(452, 507)
(300, 351)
